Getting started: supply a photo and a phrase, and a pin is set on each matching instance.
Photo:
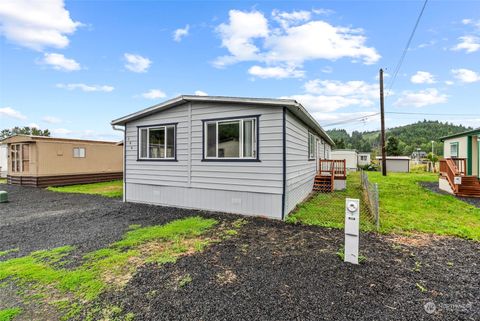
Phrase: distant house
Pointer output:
(349, 155)
(251, 156)
(460, 168)
(396, 164)
(419, 155)
(3, 160)
(45, 161)
(364, 159)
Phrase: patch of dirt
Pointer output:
(415, 239)
(226, 277)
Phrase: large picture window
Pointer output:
(157, 142)
(231, 139)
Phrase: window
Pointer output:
(453, 149)
(233, 139)
(79, 152)
(157, 142)
(20, 157)
(363, 158)
(311, 146)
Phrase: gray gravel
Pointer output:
(433, 186)
(269, 271)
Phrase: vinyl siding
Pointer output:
(300, 172)
(238, 187)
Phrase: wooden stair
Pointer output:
(323, 184)
(470, 187)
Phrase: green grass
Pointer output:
(3, 253)
(9, 314)
(107, 189)
(43, 272)
(405, 207)
(328, 209)
(3, 181)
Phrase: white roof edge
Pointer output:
(289, 103)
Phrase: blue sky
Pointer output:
(73, 67)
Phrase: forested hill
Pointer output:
(410, 137)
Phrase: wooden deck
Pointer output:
(328, 171)
(457, 167)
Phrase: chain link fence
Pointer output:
(370, 197)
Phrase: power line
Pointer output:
(350, 120)
(429, 114)
(404, 53)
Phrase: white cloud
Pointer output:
(51, 120)
(324, 103)
(353, 88)
(61, 131)
(247, 37)
(331, 95)
(200, 93)
(238, 35)
(180, 33)
(153, 94)
(86, 88)
(286, 19)
(471, 22)
(12, 113)
(33, 125)
(468, 43)
(275, 72)
(422, 77)
(449, 82)
(137, 63)
(327, 118)
(60, 62)
(466, 75)
(430, 96)
(327, 70)
(36, 24)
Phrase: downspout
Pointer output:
(124, 159)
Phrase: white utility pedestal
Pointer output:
(352, 226)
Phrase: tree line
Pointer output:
(402, 140)
(4, 133)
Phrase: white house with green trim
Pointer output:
(460, 168)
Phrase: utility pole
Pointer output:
(382, 120)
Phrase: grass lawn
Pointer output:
(405, 207)
(107, 189)
(328, 209)
(3, 181)
(44, 278)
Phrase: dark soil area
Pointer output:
(269, 271)
(433, 186)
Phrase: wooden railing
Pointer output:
(332, 167)
(451, 167)
(460, 164)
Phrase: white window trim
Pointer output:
(456, 144)
(311, 153)
(80, 148)
(165, 143)
(241, 120)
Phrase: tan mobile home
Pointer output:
(45, 161)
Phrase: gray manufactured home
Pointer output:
(249, 156)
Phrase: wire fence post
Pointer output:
(371, 198)
(377, 206)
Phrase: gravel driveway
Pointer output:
(269, 271)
